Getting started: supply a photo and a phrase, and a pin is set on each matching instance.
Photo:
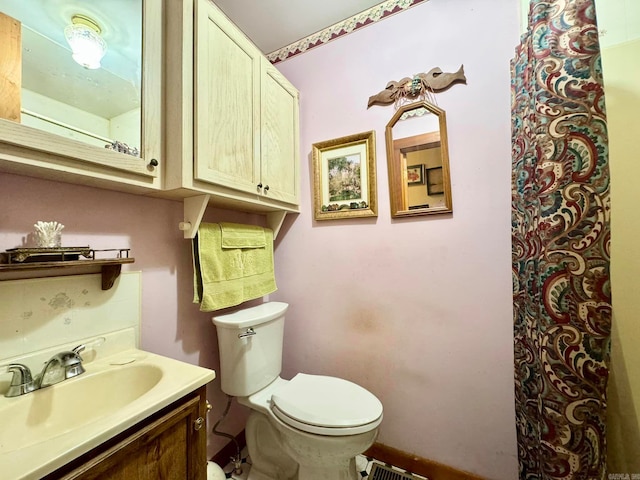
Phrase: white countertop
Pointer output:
(30, 449)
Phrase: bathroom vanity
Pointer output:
(132, 414)
(170, 444)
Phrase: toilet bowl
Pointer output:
(310, 427)
(320, 422)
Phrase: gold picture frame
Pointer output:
(415, 174)
(345, 177)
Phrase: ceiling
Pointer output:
(273, 24)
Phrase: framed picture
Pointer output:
(435, 181)
(415, 174)
(345, 177)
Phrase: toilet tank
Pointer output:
(250, 345)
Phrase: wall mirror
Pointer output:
(418, 161)
(62, 93)
(97, 103)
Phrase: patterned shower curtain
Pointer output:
(560, 243)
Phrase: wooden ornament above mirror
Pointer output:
(417, 88)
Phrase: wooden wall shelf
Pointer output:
(109, 268)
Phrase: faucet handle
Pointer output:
(22, 381)
(79, 349)
(21, 373)
(91, 344)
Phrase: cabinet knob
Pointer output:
(198, 424)
(266, 188)
(153, 162)
(260, 185)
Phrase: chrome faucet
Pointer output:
(61, 366)
(22, 382)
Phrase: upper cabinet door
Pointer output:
(65, 112)
(279, 136)
(226, 102)
(231, 118)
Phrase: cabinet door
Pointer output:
(169, 448)
(279, 136)
(227, 91)
(62, 137)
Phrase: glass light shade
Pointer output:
(87, 45)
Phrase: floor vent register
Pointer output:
(382, 472)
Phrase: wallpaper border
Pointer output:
(337, 30)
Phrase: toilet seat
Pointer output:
(326, 406)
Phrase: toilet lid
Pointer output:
(326, 402)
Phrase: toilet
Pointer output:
(310, 427)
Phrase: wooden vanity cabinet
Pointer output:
(170, 445)
(232, 118)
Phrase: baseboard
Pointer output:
(412, 463)
(224, 455)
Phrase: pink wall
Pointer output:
(171, 324)
(416, 310)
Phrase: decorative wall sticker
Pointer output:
(61, 300)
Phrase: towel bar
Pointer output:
(194, 208)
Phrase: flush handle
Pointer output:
(249, 333)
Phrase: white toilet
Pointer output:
(310, 427)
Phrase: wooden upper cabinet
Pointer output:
(217, 117)
(227, 117)
(231, 115)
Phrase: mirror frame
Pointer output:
(29, 146)
(397, 180)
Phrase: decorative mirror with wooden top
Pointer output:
(418, 161)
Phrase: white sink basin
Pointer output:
(74, 403)
(43, 430)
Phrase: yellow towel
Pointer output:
(224, 277)
(236, 235)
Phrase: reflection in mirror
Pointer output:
(418, 161)
(98, 106)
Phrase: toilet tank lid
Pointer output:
(327, 401)
(248, 317)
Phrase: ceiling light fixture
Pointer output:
(83, 36)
